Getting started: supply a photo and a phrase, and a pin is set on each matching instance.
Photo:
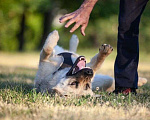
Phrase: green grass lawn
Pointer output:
(18, 99)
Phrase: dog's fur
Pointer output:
(65, 81)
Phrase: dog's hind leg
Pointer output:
(74, 41)
(103, 83)
(50, 43)
(99, 58)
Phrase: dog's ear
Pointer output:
(50, 43)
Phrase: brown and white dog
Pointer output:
(65, 72)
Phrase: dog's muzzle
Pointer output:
(80, 66)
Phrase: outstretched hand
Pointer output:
(79, 17)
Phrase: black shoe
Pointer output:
(125, 91)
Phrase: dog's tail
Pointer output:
(142, 81)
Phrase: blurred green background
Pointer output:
(25, 24)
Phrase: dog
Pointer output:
(64, 72)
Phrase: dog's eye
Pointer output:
(75, 83)
(87, 86)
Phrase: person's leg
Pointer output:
(126, 64)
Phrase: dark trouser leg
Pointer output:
(126, 63)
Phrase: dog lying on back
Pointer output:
(65, 72)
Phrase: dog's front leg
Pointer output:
(48, 64)
(99, 58)
(74, 41)
(50, 43)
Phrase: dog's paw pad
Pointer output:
(106, 49)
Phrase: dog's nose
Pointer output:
(88, 72)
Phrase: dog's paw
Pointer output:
(51, 41)
(105, 49)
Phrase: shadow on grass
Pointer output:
(17, 78)
(16, 86)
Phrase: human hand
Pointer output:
(80, 17)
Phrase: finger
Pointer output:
(66, 17)
(75, 27)
(83, 29)
(69, 23)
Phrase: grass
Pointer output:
(18, 99)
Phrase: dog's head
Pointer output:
(73, 77)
